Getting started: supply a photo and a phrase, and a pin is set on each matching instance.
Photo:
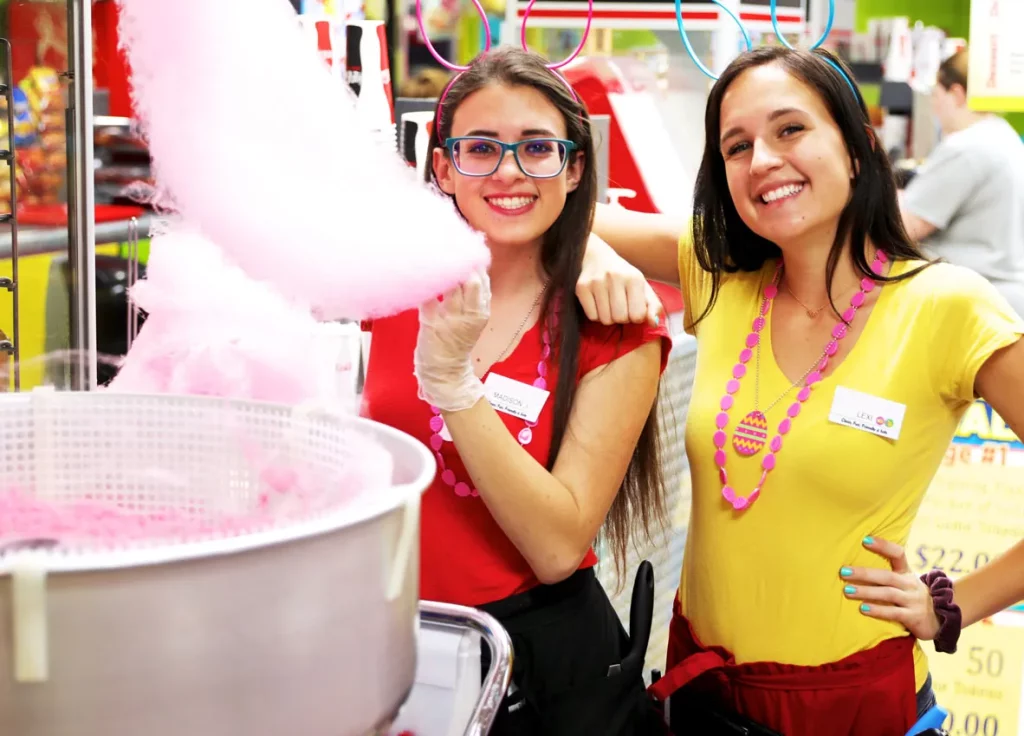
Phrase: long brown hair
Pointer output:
(640, 502)
(724, 243)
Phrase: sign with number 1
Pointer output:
(974, 511)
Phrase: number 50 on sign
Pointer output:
(980, 685)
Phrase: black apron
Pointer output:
(568, 675)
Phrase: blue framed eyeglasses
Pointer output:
(538, 158)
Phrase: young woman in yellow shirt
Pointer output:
(833, 366)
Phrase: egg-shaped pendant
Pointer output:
(750, 434)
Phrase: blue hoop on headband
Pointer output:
(686, 39)
(778, 34)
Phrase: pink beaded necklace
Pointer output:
(439, 433)
(751, 432)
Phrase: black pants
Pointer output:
(566, 639)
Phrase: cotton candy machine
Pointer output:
(182, 565)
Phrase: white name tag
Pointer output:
(867, 413)
(514, 397)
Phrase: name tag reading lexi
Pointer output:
(867, 413)
(515, 397)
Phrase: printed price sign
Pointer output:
(980, 685)
(973, 511)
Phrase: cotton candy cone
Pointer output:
(262, 150)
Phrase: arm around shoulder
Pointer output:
(650, 242)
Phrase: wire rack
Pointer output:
(10, 354)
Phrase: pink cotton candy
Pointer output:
(99, 523)
(262, 149)
(213, 331)
(285, 490)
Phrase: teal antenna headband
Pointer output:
(749, 44)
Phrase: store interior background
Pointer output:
(38, 33)
(981, 481)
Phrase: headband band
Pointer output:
(459, 69)
(778, 34)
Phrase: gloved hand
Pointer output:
(448, 331)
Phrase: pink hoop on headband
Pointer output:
(430, 47)
(459, 70)
(574, 54)
(440, 104)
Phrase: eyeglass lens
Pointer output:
(481, 157)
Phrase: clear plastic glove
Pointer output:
(448, 331)
(611, 291)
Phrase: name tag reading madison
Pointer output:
(867, 413)
(515, 397)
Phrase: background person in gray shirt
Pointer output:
(966, 203)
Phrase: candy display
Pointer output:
(43, 161)
(39, 139)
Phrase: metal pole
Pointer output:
(81, 197)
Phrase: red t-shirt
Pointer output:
(465, 557)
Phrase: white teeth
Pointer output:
(511, 203)
(776, 194)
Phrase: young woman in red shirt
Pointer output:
(543, 422)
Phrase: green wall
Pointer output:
(953, 16)
(1016, 120)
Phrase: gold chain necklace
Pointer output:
(812, 313)
(512, 342)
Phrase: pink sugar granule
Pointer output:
(286, 494)
(101, 522)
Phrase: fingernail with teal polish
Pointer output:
(864, 607)
(846, 572)
(849, 590)
(657, 320)
(868, 541)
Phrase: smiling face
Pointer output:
(786, 162)
(508, 207)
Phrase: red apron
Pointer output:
(870, 693)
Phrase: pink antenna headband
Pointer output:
(487, 47)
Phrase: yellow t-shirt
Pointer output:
(765, 583)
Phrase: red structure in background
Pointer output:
(38, 33)
(110, 67)
(594, 79)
